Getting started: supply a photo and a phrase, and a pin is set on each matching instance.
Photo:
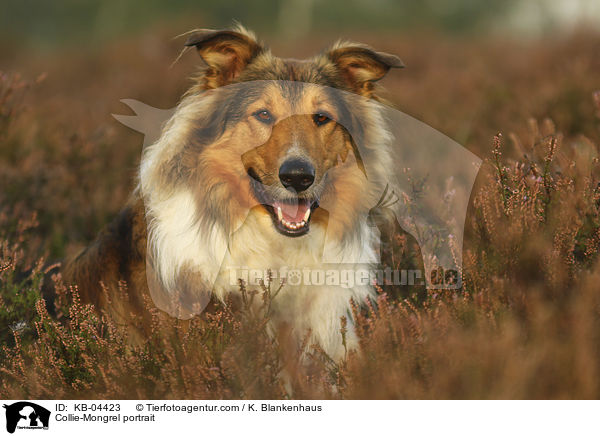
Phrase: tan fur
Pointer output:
(195, 214)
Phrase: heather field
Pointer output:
(525, 325)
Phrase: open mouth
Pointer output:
(291, 217)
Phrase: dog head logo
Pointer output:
(26, 415)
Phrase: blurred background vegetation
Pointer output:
(44, 24)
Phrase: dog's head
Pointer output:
(279, 136)
(259, 151)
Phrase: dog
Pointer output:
(266, 163)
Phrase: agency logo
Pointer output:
(26, 415)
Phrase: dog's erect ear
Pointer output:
(226, 52)
(361, 66)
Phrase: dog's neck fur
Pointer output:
(218, 258)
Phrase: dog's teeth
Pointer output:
(290, 225)
(293, 225)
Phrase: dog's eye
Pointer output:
(264, 116)
(321, 119)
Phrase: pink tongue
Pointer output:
(293, 213)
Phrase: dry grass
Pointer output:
(525, 325)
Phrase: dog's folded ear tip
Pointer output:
(390, 60)
(197, 36)
(225, 52)
(399, 63)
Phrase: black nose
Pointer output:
(296, 174)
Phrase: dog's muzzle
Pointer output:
(290, 213)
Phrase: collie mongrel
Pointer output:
(266, 164)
